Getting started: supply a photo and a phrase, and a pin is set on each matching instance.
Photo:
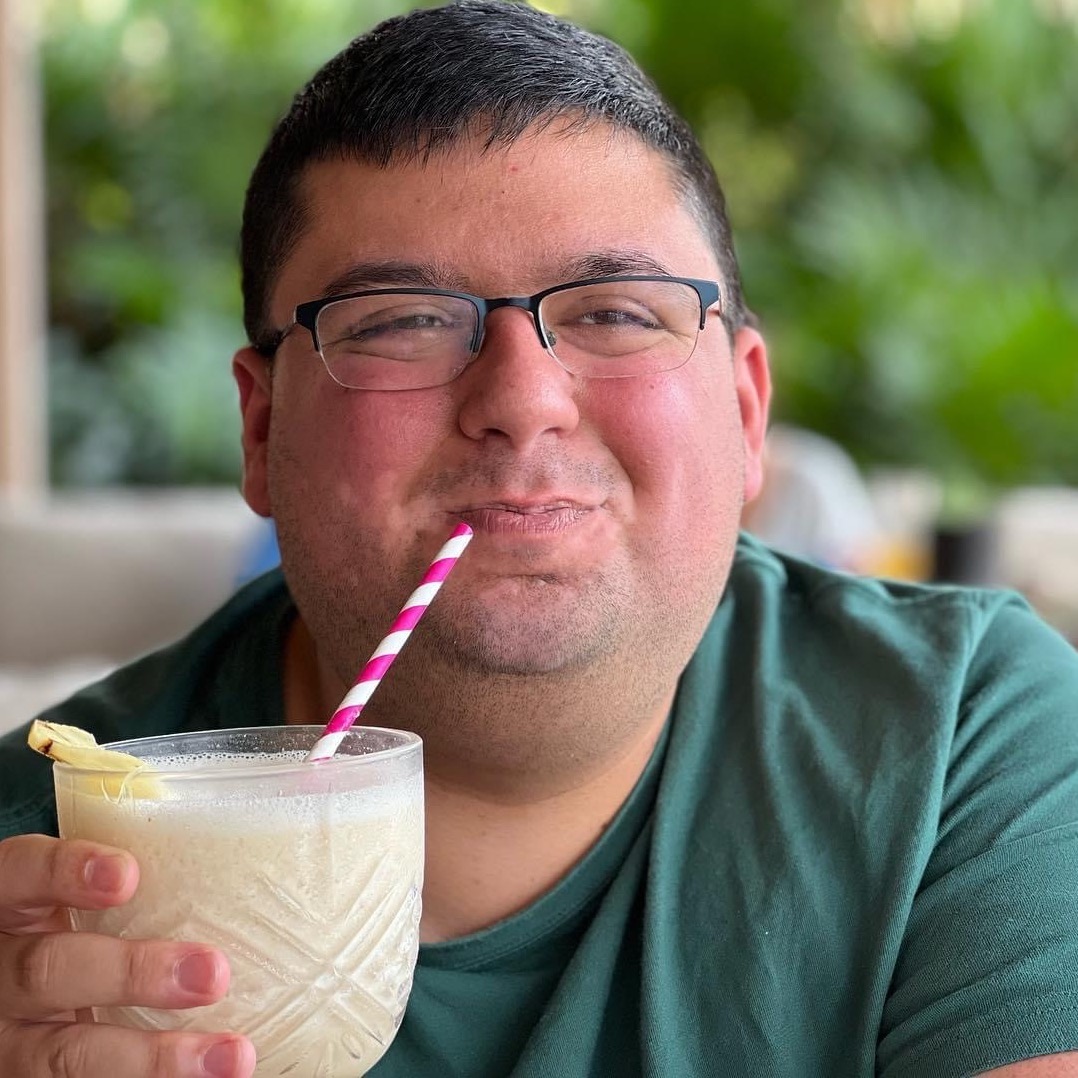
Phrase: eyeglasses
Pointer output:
(415, 338)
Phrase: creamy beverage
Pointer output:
(308, 876)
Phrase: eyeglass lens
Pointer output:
(605, 330)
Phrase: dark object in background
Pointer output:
(964, 554)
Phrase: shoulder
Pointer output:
(879, 672)
(967, 684)
(904, 759)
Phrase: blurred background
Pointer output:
(902, 177)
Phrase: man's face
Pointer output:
(605, 510)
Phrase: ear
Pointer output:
(753, 383)
(255, 382)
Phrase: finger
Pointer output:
(57, 919)
(39, 873)
(44, 974)
(46, 1049)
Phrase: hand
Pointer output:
(47, 973)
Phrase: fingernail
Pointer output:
(222, 1060)
(196, 973)
(106, 872)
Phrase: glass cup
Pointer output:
(308, 876)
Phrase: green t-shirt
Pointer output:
(854, 851)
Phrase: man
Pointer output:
(823, 826)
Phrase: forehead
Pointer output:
(496, 221)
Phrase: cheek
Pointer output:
(680, 444)
(679, 440)
(360, 449)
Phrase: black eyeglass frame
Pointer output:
(306, 314)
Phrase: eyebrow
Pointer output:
(612, 263)
(390, 272)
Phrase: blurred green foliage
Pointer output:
(902, 177)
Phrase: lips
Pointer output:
(525, 518)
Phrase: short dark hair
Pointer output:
(425, 80)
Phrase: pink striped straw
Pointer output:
(382, 659)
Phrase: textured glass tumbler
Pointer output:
(308, 876)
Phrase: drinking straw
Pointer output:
(371, 675)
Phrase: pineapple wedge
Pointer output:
(121, 774)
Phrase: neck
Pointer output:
(495, 846)
(488, 859)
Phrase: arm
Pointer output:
(987, 974)
(1062, 1065)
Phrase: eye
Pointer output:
(595, 312)
(395, 325)
(629, 307)
(367, 326)
(617, 314)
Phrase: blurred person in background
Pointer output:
(694, 808)
(814, 502)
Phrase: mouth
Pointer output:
(525, 518)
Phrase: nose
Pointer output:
(514, 389)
